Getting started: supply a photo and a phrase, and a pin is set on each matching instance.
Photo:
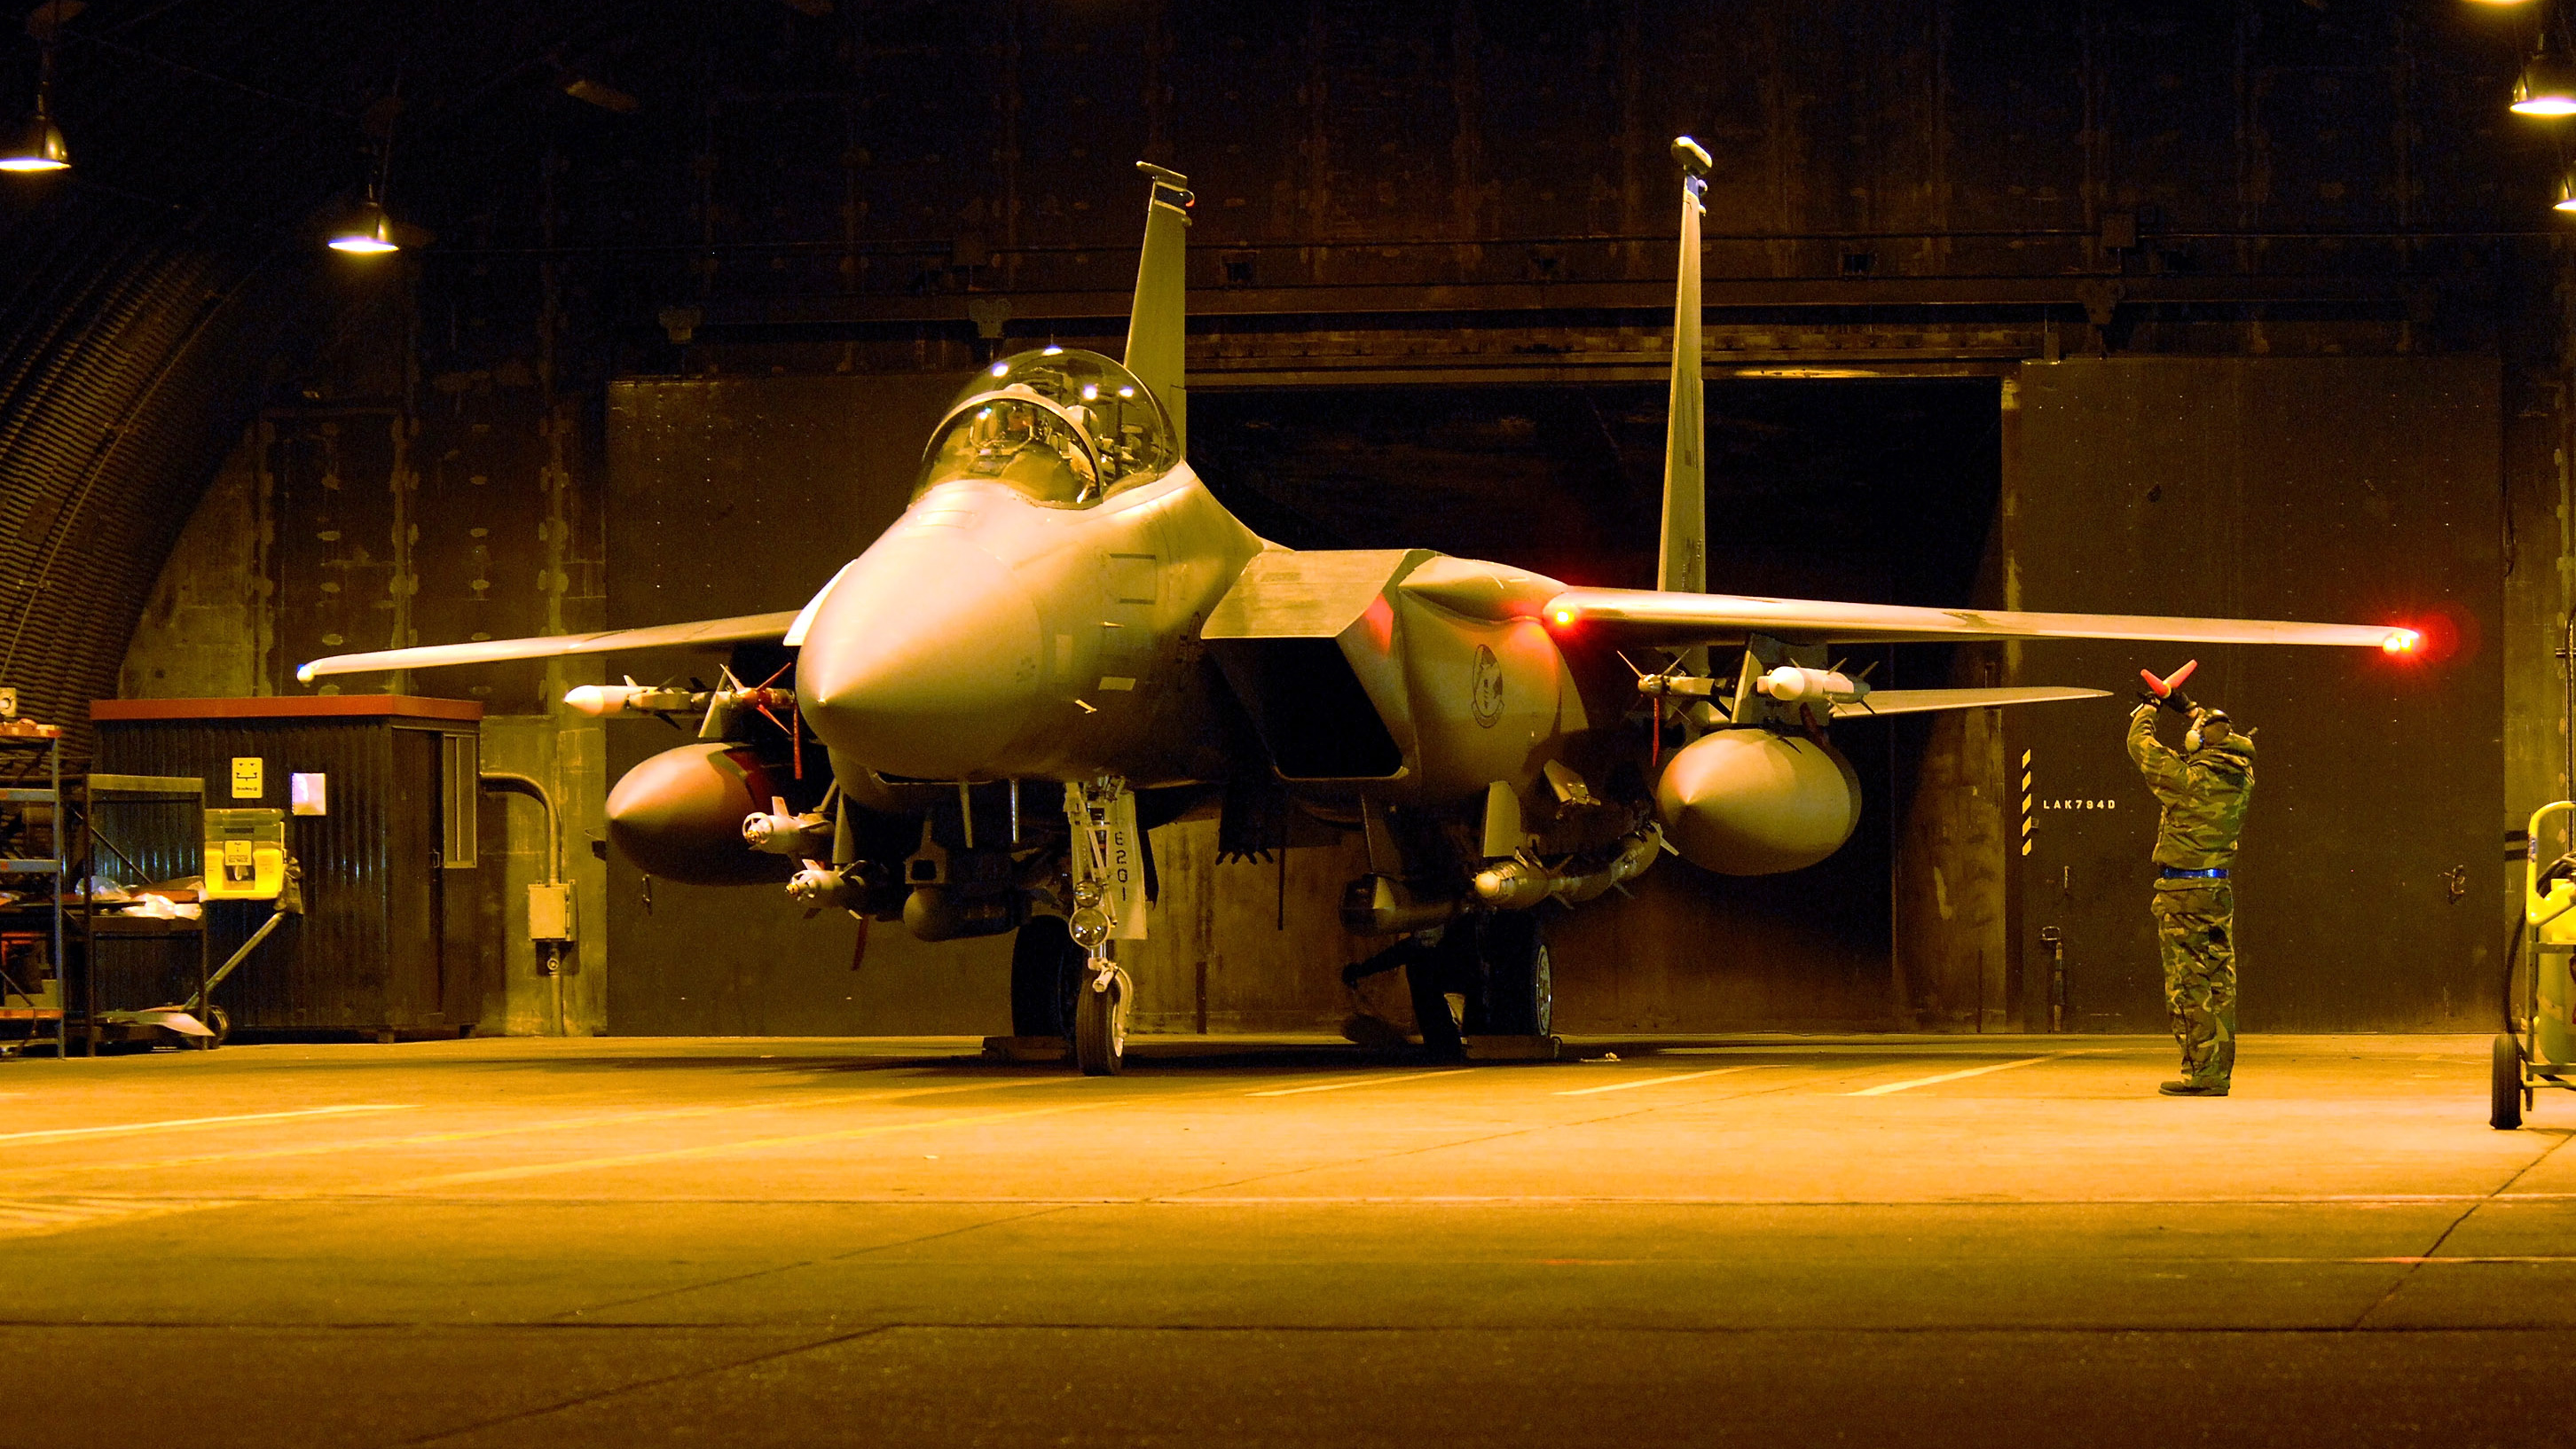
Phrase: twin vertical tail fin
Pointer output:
(1158, 326)
(1682, 565)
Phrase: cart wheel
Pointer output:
(220, 1022)
(2506, 1093)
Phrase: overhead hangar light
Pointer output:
(2547, 88)
(599, 93)
(2566, 193)
(369, 232)
(37, 145)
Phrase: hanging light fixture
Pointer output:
(368, 232)
(2547, 86)
(37, 143)
(2566, 192)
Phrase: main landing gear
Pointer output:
(1488, 975)
(1046, 971)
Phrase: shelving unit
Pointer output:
(92, 801)
(31, 776)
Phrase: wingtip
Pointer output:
(304, 674)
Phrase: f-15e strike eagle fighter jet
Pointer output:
(1066, 639)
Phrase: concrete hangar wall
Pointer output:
(2169, 308)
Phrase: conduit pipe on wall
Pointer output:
(506, 783)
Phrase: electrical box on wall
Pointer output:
(245, 855)
(550, 911)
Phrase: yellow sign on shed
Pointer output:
(250, 777)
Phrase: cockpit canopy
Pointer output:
(1065, 427)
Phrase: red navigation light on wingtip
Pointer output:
(1562, 616)
(2428, 638)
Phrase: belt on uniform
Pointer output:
(2166, 872)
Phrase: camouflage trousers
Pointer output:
(2195, 932)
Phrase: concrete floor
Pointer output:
(1890, 1241)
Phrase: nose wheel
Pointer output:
(1100, 1020)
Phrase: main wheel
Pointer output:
(1046, 971)
(1100, 1028)
(1520, 989)
(2504, 1096)
(1426, 977)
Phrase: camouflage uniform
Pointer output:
(2203, 796)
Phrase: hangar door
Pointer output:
(2370, 883)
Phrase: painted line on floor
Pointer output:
(132, 1127)
(28, 1217)
(1359, 1082)
(481, 1134)
(732, 1149)
(1883, 1090)
(2411, 1262)
(1184, 1198)
(1664, 1079)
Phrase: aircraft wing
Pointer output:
(1920, 701)
(1648, 616)
(702, 634)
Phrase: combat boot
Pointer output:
(2194, 1087)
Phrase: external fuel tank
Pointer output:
(1755, 802)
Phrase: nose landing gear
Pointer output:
(1060, 989)
(1100, 1020)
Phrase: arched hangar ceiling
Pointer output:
(148, 295)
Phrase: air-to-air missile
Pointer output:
(1064, 609)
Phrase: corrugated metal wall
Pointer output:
(128, 351)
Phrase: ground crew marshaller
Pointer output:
(2203, 791)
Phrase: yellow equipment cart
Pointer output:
(2539, 1049)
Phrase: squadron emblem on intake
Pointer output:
(1488, 703)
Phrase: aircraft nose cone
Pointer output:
(925, 659)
